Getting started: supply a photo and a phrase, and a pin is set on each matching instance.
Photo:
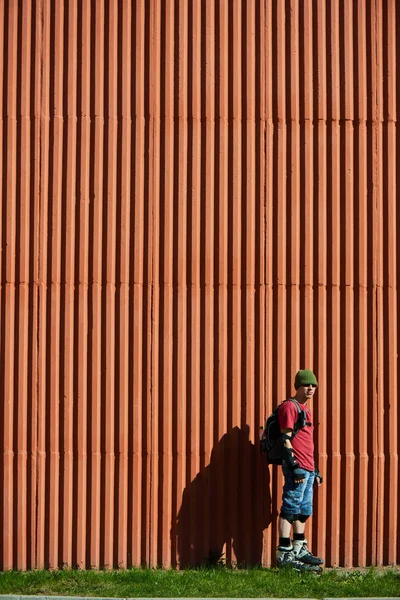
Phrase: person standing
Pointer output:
(300, 475)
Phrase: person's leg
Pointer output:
(284, 527)
(300, 548)
(291, 501)
(292, 495)
(298, 536)
(291, 498)
(298, 527)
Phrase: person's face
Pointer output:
(307, 391)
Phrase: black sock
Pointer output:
(285, 542)
(299, 536)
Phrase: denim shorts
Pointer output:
(297, 498)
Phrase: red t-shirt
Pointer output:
(303, 442)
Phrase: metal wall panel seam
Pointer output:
(68, 229)
(207, 260)
(235, 383)
(180, 245)
(391, 522)
(334, 61)
(35, 99)
(390, 94)
(319, 536)
(167, 532)
(149, 197)
(265, 221)
(82, 544)
(280, 208)
(306, 57)
(306, 298)
(55, 50)
(377, 239)
(306, 179)
(40, 378)
(23, 290)
(122, 281)
(153, 273)
(348, 278)
(3, 154)
(43, 475)
(221, 524)
(96, 237)
(10, 311)
(167, 526)
(270, 534)
(390, 377)
(247, 528)
(194, 276)
(108, 291)
(361, 357)
(279, 250)
(333, 241)
(136, 409)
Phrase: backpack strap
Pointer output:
(301, 422)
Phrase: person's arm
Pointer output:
(288, 455)
(318, 477)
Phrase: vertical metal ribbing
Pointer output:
(3, 154)
(189, 509)
(44, 457)
(279, 205)
(206, 281)
(292, 62)
(40, 174)
(198, 199)
(23, 262)
(320, 262)
(361, 280)
(269, 535)
(82, 415)
(168, 506)
(249, 530)
(9, 310)
(334, 274)
(390, 216)
(377, 239)
(280, 335)
(108, 279)
(236, 242)
(55, 57)
(306, 49)
(137, 287)
(33, 456)
(261, 485)
(96, 242)
(123, 264)
(152, 221)
(221, 232)
(179, 270)
(68, 253)
(347, 279)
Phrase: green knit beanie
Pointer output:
(304, 377)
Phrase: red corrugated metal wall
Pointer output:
(198, 198)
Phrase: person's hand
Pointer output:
(318, 479)
(298, 475)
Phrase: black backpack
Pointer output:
(270, 441)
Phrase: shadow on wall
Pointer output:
(226, 508)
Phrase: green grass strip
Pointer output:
(219, 582)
